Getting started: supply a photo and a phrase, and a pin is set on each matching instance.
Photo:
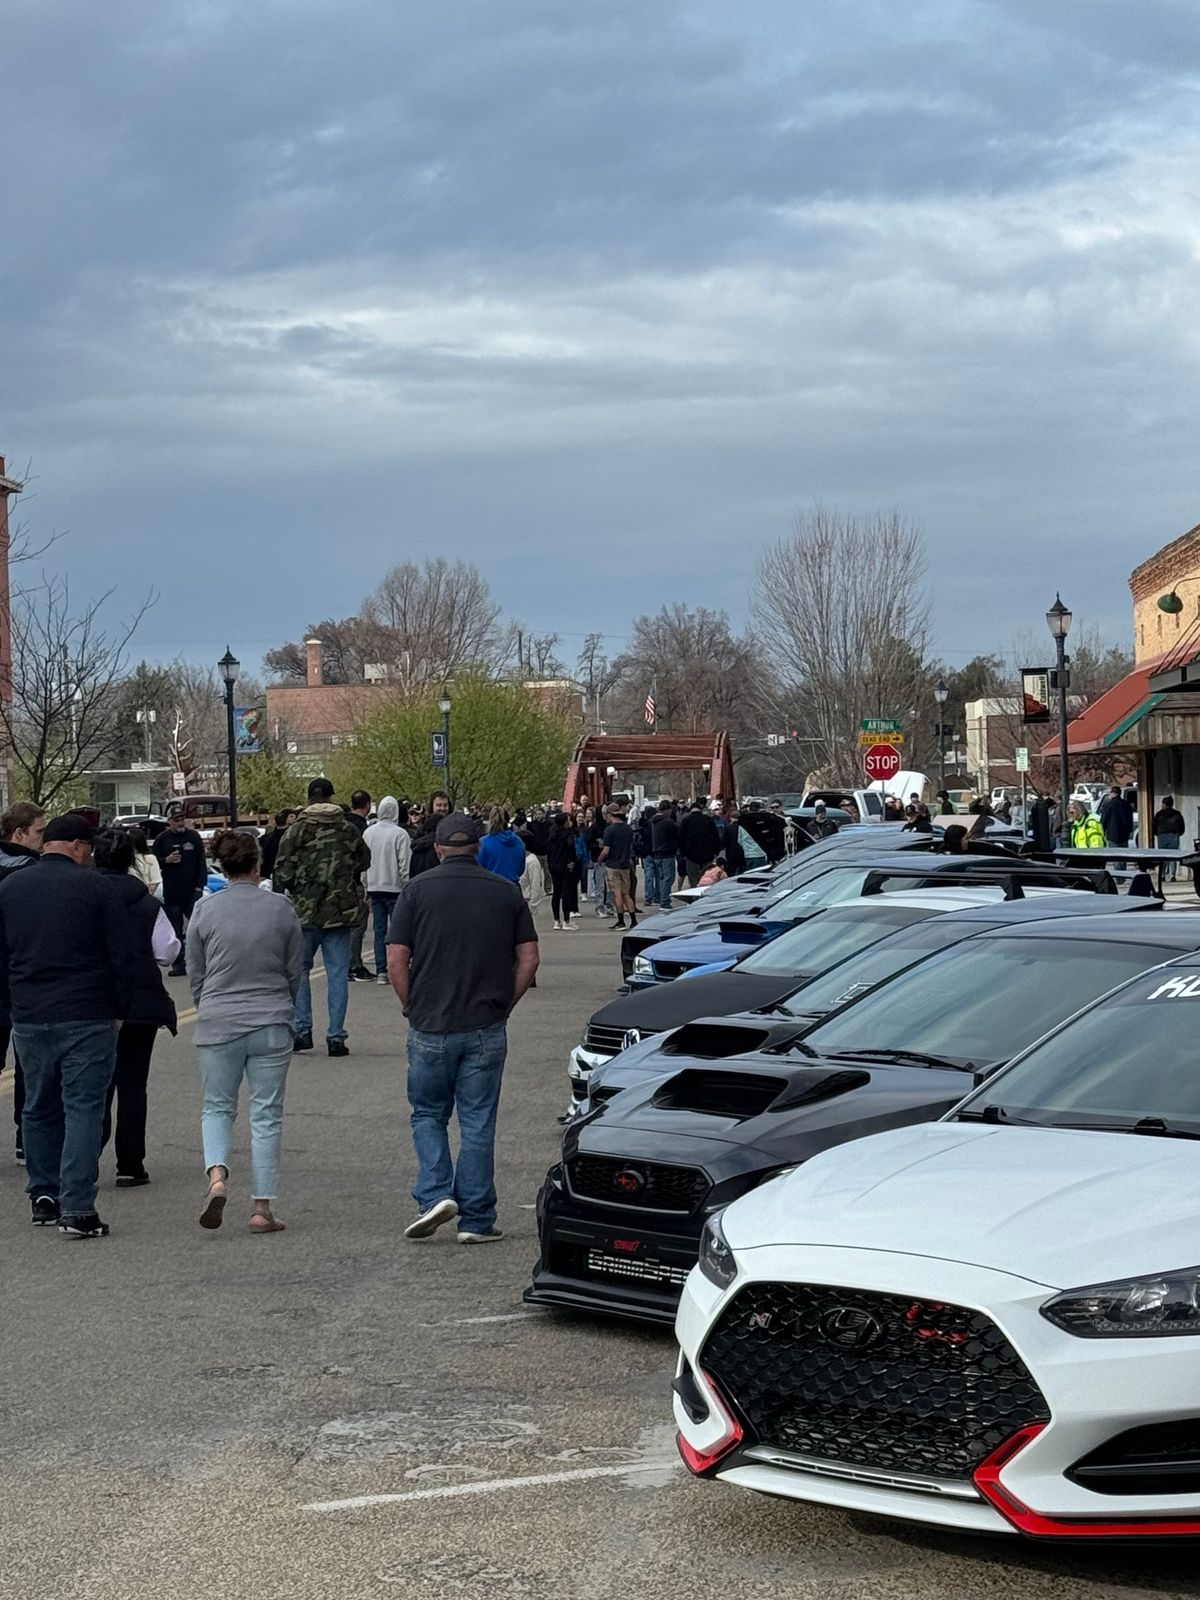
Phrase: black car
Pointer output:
(813, 967)
(620, 1216)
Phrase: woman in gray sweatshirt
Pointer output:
(245, 958)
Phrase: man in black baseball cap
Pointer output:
(462, 950)
(67, 968)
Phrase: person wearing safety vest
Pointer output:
(1087, 831)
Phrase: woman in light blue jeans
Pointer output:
(245, 955)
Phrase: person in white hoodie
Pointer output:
(391, 854)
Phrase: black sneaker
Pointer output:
(337, 1047)
(362, 974)
(44, 1211)
(302, 1041)
(132, 1180)
(177, 972)
(619, 923)
(85, 1225)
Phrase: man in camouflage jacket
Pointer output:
(320, 866)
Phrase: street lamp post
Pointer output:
(1058, 620)
(444, 706)
(941, 693)
(229, 665)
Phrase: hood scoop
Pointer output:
(737, 1095)
(714, 1040)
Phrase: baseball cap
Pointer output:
(458, 828)
(68, 829)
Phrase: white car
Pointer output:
(992, 1322)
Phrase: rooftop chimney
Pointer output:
(316, 665)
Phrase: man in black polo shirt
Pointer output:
(462, 950)
(616, 856)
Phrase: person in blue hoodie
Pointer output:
(501, 851)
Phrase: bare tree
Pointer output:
(599, 675)
(698, 668)
(60, 709)
(427, 623)
(841, 609)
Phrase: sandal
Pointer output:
(214, 1205)
(265, 1224)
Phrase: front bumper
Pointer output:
(581, 1063)
(610, 1264)
(1094, 1389)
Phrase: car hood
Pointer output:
(1061, 1207)
(773, 1110)
(719, 994)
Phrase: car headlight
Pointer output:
(642, 967)
(1152, 1307)
(717, 1261)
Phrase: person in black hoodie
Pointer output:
(68, 972)
(150, 1007)
(424, 852)
(699, 840)
(21, 829)
(180, 852)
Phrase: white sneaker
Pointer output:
(558, 927)
(430, 1221)
(490, 1237)
(570, 927)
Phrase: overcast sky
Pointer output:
(598, 294)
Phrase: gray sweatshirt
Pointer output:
(391, 850)
(245, 959)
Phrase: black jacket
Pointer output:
(1169, 820)
(68, 945)
(664, 836)
(424, 855)
(1116, 815)
(270, 849)
(149, 1001)
(539, 828)
(699, 838)
(560, 849)
(182, 880)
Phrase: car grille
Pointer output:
(644, 1184)
(604, 1041)
(672, 969)
(872, 1379)
(629, 1269)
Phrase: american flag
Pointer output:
(651, 710)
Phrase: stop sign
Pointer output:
(881, 761)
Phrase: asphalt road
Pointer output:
(188, 1414)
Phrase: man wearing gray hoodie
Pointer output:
(391, 855)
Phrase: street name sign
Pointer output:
(881, 725)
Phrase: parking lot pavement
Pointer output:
(333, 1412)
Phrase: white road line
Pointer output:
(455, 1491)
(469, 1322)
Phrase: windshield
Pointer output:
(985, 1000)
(830, 887)
(1132, 1058)
(856, 975)
(821, 942)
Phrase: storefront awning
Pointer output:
(1104, 724)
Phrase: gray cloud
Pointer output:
(599, 295)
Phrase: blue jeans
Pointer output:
(660, 880)
(449, 1072)
(68, 1067)
(600, 895)
(334, 945)
(262, 1057)
(382, 906)
(1169, 841)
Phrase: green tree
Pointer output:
(266, 783)
(505, 747)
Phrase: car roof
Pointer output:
(1043, 908)
(1180, 928)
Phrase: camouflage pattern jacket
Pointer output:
(320, 864)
